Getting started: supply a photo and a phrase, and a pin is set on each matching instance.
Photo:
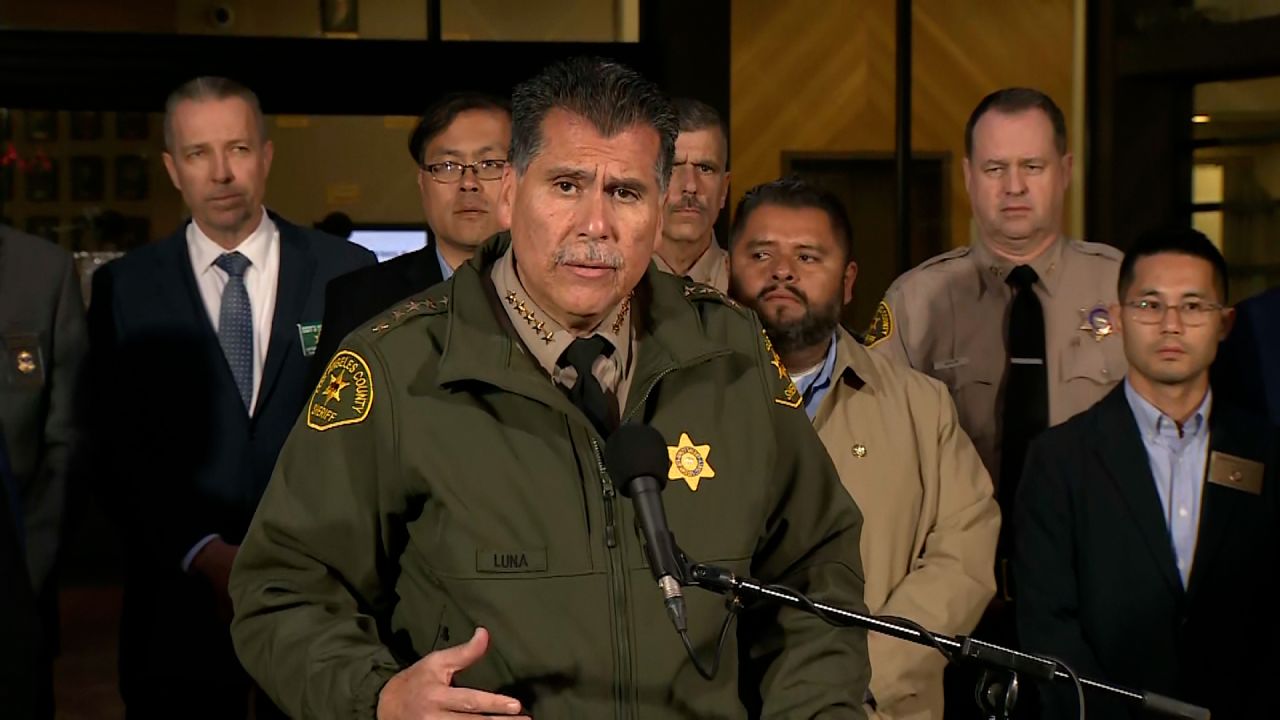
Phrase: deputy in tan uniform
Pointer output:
(930, 521)
(1016, 324)
(695, 196)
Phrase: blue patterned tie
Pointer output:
(235, 324)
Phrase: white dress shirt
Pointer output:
(262, 247)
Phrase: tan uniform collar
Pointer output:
(547, 339)
(853, 367)
(707, 269)
(994, 269)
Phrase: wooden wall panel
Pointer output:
(818, 75)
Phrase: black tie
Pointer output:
(586, 392)
(1026, 397)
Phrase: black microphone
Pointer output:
(636, 457)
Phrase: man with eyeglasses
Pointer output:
(1147, 526)
(460, 146)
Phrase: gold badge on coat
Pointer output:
(344, 395)
(25, 360)
(689, 462)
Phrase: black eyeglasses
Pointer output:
(1190, 312)
(451, 172)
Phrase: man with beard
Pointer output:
(930, 521)
(460, 147)
(1148, 526)
(442, 537)
(695, 196)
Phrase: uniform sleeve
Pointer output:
(885, 335)
(801, 666)
(950, 584)
(1048, 603)
(311, 582)
(44, 500)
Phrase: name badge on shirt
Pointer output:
(952, 363)
(1236, 473)
(309, 335)
(25, 361)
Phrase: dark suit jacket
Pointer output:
(1247, 370)
(183, 458)
(1098, 585)
(41, 319)
(361, 295)
(20, 638)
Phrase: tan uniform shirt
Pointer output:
(927, 507)
(547, 340)
(947, 318)
(711, 268)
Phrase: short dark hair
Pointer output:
(437, 118)
(1015, 100)
(693, 115)
(609, 95)
(1179, 240)
(795, 192)
(210, 88)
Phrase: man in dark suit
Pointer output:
(199, 356)
(1247, 370)
(1147, 526)
(42, 333)
(460, 146)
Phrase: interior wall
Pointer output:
(818, 75)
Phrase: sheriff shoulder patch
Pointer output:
(789, 395)
(344, 395)
(881, 326)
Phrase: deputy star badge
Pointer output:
(1096, 320)
(689, 462)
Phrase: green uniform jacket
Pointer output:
(454, 486)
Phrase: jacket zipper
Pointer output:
(617, 589)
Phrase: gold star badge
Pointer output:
(689, 462)
(336, 384)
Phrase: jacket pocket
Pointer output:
(1098, 362)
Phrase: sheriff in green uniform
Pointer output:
(441, 536)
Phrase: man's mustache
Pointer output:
(804, 299)
(590, 254)
(689, 202)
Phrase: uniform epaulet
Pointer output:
(1095, 248)
(699, 291)
(953, 254)
(428, 303)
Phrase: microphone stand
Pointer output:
(998, 688)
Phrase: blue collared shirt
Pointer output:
(1178, 458)
(446, 272)
(814, 386)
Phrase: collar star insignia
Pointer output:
(689, 462)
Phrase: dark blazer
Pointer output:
(1098, 585)
(360, 295)
(1247, 370)
(43, 336)
(179, 454)
(20, 638)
